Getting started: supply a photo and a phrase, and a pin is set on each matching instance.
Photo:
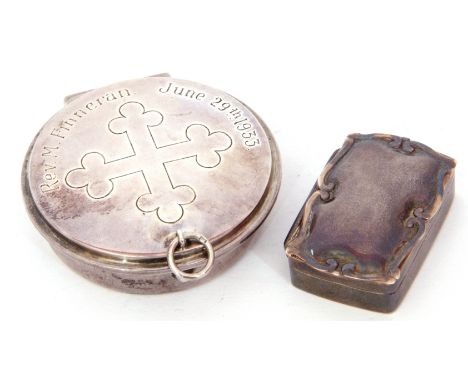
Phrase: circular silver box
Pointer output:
(145, 184)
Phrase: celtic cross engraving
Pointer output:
(96, 175)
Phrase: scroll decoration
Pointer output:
(402, 144)
(324, 192)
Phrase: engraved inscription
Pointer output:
(50, 178)
(97, 175)
(60, 131)
(239, 120)
(66, 124)
(182, 91)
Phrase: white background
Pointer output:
(315, 71)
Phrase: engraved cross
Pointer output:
(97, 175)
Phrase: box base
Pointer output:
(308, 279)
(379, 302)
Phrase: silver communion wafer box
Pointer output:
(149, 185)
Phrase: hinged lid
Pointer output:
(122, 168)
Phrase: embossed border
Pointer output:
(323, 192)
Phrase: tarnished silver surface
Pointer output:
(112, 177)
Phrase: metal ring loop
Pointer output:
(180, 240)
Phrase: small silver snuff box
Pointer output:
(146, 184)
